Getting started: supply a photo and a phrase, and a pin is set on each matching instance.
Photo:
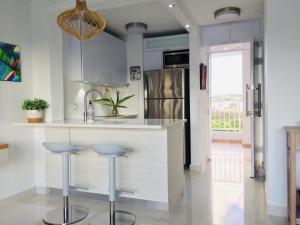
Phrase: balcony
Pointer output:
(227, 118)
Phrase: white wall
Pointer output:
(17, 173)
(282, 93)
(47, 57)
(198, 140)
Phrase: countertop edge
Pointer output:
(107, 126)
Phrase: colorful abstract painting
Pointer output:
(10, 63)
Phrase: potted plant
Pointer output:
(35, 109)
(107, 100)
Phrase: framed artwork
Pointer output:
(10, 62)
(203, 76)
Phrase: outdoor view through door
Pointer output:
(227, 96)
(230, 129)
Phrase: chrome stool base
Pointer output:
(121, 218)
(65, 216)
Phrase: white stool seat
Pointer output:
(110, 150)
(60, 148)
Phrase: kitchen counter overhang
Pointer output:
(154, 171)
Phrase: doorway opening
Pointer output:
(230, 69)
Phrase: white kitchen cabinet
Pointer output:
(104, 59)
(243, 31)
(154, 48)
(246, 31)
(165, 43)
(153, 60)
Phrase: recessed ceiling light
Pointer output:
(227, 13)
(171, 5)
(187, 26)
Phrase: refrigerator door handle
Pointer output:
(259, 101)
(146, 96)
(247, 100)
(249, 91)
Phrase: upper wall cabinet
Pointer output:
(104, 59)
(154, 48)
(174, 42)
(244, 31)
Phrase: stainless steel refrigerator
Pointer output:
(167, 97)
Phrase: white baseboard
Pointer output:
(42, 190)
(277, 210)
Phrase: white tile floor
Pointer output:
(223, 195)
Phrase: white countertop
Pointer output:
(109, 123)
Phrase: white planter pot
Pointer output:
(35, 116)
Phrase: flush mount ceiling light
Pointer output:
(171, 5)
(81, 22)
(227, 13)
(136, 27)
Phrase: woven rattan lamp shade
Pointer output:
(81, 22)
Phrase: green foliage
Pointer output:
(219, 123)
(34, 104)
(108, 101)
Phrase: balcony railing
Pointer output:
(227, 167)
(227, 115)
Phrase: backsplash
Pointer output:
(74, 101)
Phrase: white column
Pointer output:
(196, 145)
(135, 57)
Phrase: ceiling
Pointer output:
(159, 18)
(154, 14)
(203, 10)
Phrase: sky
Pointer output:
(226, 73)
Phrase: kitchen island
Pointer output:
(153, 172)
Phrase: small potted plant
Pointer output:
(107, 100)
(35, 109)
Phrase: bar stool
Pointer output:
(116, 217)
(67, 214)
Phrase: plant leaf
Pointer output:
(121, 106)
(112, 102)
(124, 99)
(108, 104)
(103, 100)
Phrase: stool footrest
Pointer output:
(76, 188)
(122, 191)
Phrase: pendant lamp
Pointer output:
(81, 22)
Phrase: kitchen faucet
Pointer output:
(86, 104)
